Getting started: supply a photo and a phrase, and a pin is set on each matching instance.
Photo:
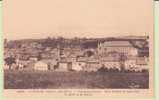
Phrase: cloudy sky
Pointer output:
(76, 18)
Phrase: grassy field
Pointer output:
(74, 80)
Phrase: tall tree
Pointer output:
(9, 61)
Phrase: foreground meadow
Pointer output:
(14, 79)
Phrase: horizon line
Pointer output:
(56, 37)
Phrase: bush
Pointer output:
(144, 71)
(104, 69)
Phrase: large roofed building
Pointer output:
(124, 47)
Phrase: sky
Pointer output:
(24, 19)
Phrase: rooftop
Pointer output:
(117, 44)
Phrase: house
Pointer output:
(70, 65)
(32, 58)
(136, 64)
(78, 66)
(52, 63)
(92, 66)
(40, 65)
(110, 62)
(130, 64)
(29, 65)
(63, 66)
(142, 63)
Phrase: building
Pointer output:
(117, 46)
(111, 62)
(130, 64)
(136, 64)
(52, 63)
(142, 63)
(40, 65)
(63, 66)
(32, 58)
(92, 66)
(78, 66)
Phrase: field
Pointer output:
(14, 79)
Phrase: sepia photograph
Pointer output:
(93, 63)
(92, 45)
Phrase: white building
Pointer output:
(63, 66)
(136, 64)
(40, 66)
(78, 66)
(130, 64)
(111, 64)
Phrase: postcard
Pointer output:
(85, 49)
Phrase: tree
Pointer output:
(89, 53)
(9, 61)
(47, 42)
(142, 46)
(122, 59)
(39, 56)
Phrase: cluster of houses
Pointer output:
(108, 54)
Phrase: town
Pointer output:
(128, 53)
